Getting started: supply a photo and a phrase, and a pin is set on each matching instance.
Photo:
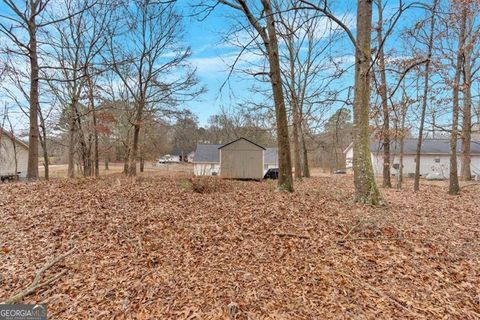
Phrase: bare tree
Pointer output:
(468, 73)
(26, 19)
(400, 111)
(30, 17)
(454, 187)
(76, 51)
(366, 190)
(387, 183)
(365, 185)
(15, 89)
(146, 67)
(426, 86)
(268, 35)
(294, 101)
(308, 70)
(466, 173)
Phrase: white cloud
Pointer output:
(223, 63)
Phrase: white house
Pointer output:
(13, 155)
(435, 157)
(207, 160)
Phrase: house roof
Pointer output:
(12, 137)
(241, 138)
(207, 153)
(429, 146)
(180, 151)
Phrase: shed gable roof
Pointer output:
(245, 139)
(209, 153)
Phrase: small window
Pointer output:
(437, 160)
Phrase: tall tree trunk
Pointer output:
(366, 190)
(285, 180)
(96, 161)
(84, 150)
(454, 187)
(126, 155)
(305, 168)
(416, 184)
(43, 142)
(91, 97)
(467, 119)
(295, 111)
(132, 158)
(88, 153)
(32, 168)
(402, 148)
(334, 163)
(270, 42)
(296, 140)
(434, 123)
(387, 183)
(71, 143)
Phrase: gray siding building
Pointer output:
(239, 159)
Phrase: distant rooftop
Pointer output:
(179, 151)
(429, 146)
(207, 153)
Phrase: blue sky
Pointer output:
(212, 56)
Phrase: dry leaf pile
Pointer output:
(173, 248)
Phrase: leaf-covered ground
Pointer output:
(153, 248)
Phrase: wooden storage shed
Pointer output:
(241, 159)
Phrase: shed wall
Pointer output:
(241, 160)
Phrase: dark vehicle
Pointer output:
(271, 174)
(10, 177)
(340, 171)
